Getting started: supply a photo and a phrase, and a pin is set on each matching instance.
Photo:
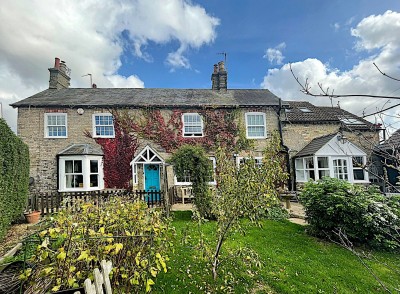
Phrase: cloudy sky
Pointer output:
(174, 44)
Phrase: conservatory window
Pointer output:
(358, 171)
(340, 169)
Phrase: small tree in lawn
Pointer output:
(246, 190)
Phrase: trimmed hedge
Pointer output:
(363, 213)
(14, 176)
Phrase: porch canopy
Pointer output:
(150, 158)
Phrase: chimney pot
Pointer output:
(221, 66)
(215, 68)
(57, 62)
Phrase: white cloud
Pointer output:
(378, 32)
(275, 54)
(336, 26)
(118, 81)
(87, 34)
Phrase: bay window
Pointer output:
(80, 173)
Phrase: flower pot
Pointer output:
(32, 217)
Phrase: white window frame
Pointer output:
(257, 159)
(192, 134)
(95, 125)
(214, 182)
(85, 172)
(264, 125)
(349, 166)
(47, 126)
(366, 174)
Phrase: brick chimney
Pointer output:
(214, 78)
(219, 77)
(223, 76)
(59, 75)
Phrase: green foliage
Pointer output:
(246, 191)
(193, 160)
(133, 237)
(363, 214)
(14, 176)
(277, 212)
(291, 262)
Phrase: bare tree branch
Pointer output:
(390, 77)
(306, 89)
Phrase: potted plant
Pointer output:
(32, 216)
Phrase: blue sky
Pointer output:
(174, 44)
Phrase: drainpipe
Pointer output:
(285, 148)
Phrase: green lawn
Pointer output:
(292, 262)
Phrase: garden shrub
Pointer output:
(14, 176)
(192, 161)
(277, 212)
(129, 234)
(365, 215)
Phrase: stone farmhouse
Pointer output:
(85, 139)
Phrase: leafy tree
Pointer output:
(245, 191)
(192, 161)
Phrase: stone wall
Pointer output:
(43, 150)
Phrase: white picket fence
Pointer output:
(101, 280)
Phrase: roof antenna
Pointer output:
(224, 53)
(91, 83)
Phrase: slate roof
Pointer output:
(392, 142)
(323, 114)
(149, 97)
(81, 149)
(316, 144)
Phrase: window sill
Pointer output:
(90, 189)
(104, 137)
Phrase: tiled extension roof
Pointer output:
(305, 112)
(316, 144)
(149, 97)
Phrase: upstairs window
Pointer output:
(256, 125)
(55, 125)
(192, 125)
(103, 125)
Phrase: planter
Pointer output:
(32, 217)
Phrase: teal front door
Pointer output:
(151, 177)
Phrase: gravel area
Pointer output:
(14, 235)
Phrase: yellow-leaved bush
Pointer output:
(126, 232)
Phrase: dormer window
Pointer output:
(192, 125)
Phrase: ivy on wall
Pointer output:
(14, 176)
(222, 127)
(118, 153)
